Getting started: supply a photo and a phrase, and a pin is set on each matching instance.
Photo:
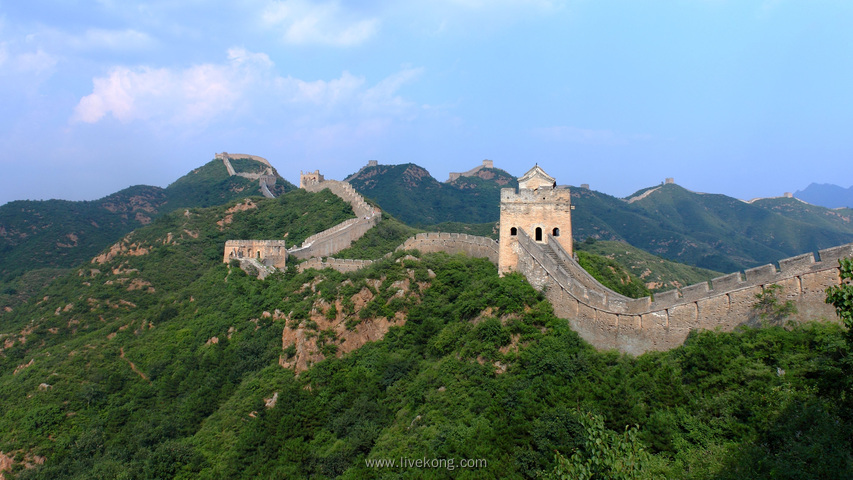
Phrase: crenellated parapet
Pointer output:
(470, 245)
(340, 264)
(345, 191)
(271, 253)
(470, 173)
(234, 156)
(610, 320)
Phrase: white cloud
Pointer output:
(118, 40)
(384, 94)
(33, 62)
(194, 94)
(328, 23)
(321, 92)
(3, 53)
(245, 84)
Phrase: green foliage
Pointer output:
(769, 309)
(63, 234)
(612, 275)
(841, 296)
(411, 194)
(658, 273)
(714, 232)
(135, 386)
(387, 235)
(604, 455)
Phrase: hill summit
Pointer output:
(410, 193)
(62, 234)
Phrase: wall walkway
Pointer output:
(342, 235)
(608, 320)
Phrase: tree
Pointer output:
(604, 455)
(841, 296)
(768, 307)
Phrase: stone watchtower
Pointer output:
(539, 209)
(310, 178)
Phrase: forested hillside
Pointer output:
(61, 234)
(412, 195)
(159, 361)
(709, 231)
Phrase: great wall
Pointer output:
(265, 180)
(604, 318)
(266, 255)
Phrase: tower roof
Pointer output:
(535, 178)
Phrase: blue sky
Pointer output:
(741, 97)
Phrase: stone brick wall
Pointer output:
(227, 162)
(346, 192)
(453, 243)
(268, 252)
(335, 239)
(470, 173)
(340, 264)
(233, 156)
(342, 235)
(609, 320)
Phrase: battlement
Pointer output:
(307, 179)
(541, 195)
(235, 156)
(342, 265)
(609, 320)
(470, 173)
(272, 253)
(470, 245)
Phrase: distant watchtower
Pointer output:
(539, 208)
(310, 178)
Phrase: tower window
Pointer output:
(513, 231)
(538, 234)
(556, 232)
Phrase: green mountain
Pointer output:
(709, 231)
(62, 234)
(795, 209)
(160, 361)
(656, 273)
(737, 233)
(412, 195)
(713, 232)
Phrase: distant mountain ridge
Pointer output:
(827, 195)
(710, 231)
(62, 234)
(412, 195)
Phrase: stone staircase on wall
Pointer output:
(265, 179)
(342, 235)
(608, 320)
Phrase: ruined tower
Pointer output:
(538, 208)
(310, 178)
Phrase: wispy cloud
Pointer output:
(245, 83)
(116, 40)
(327, 23)
(194, 94)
